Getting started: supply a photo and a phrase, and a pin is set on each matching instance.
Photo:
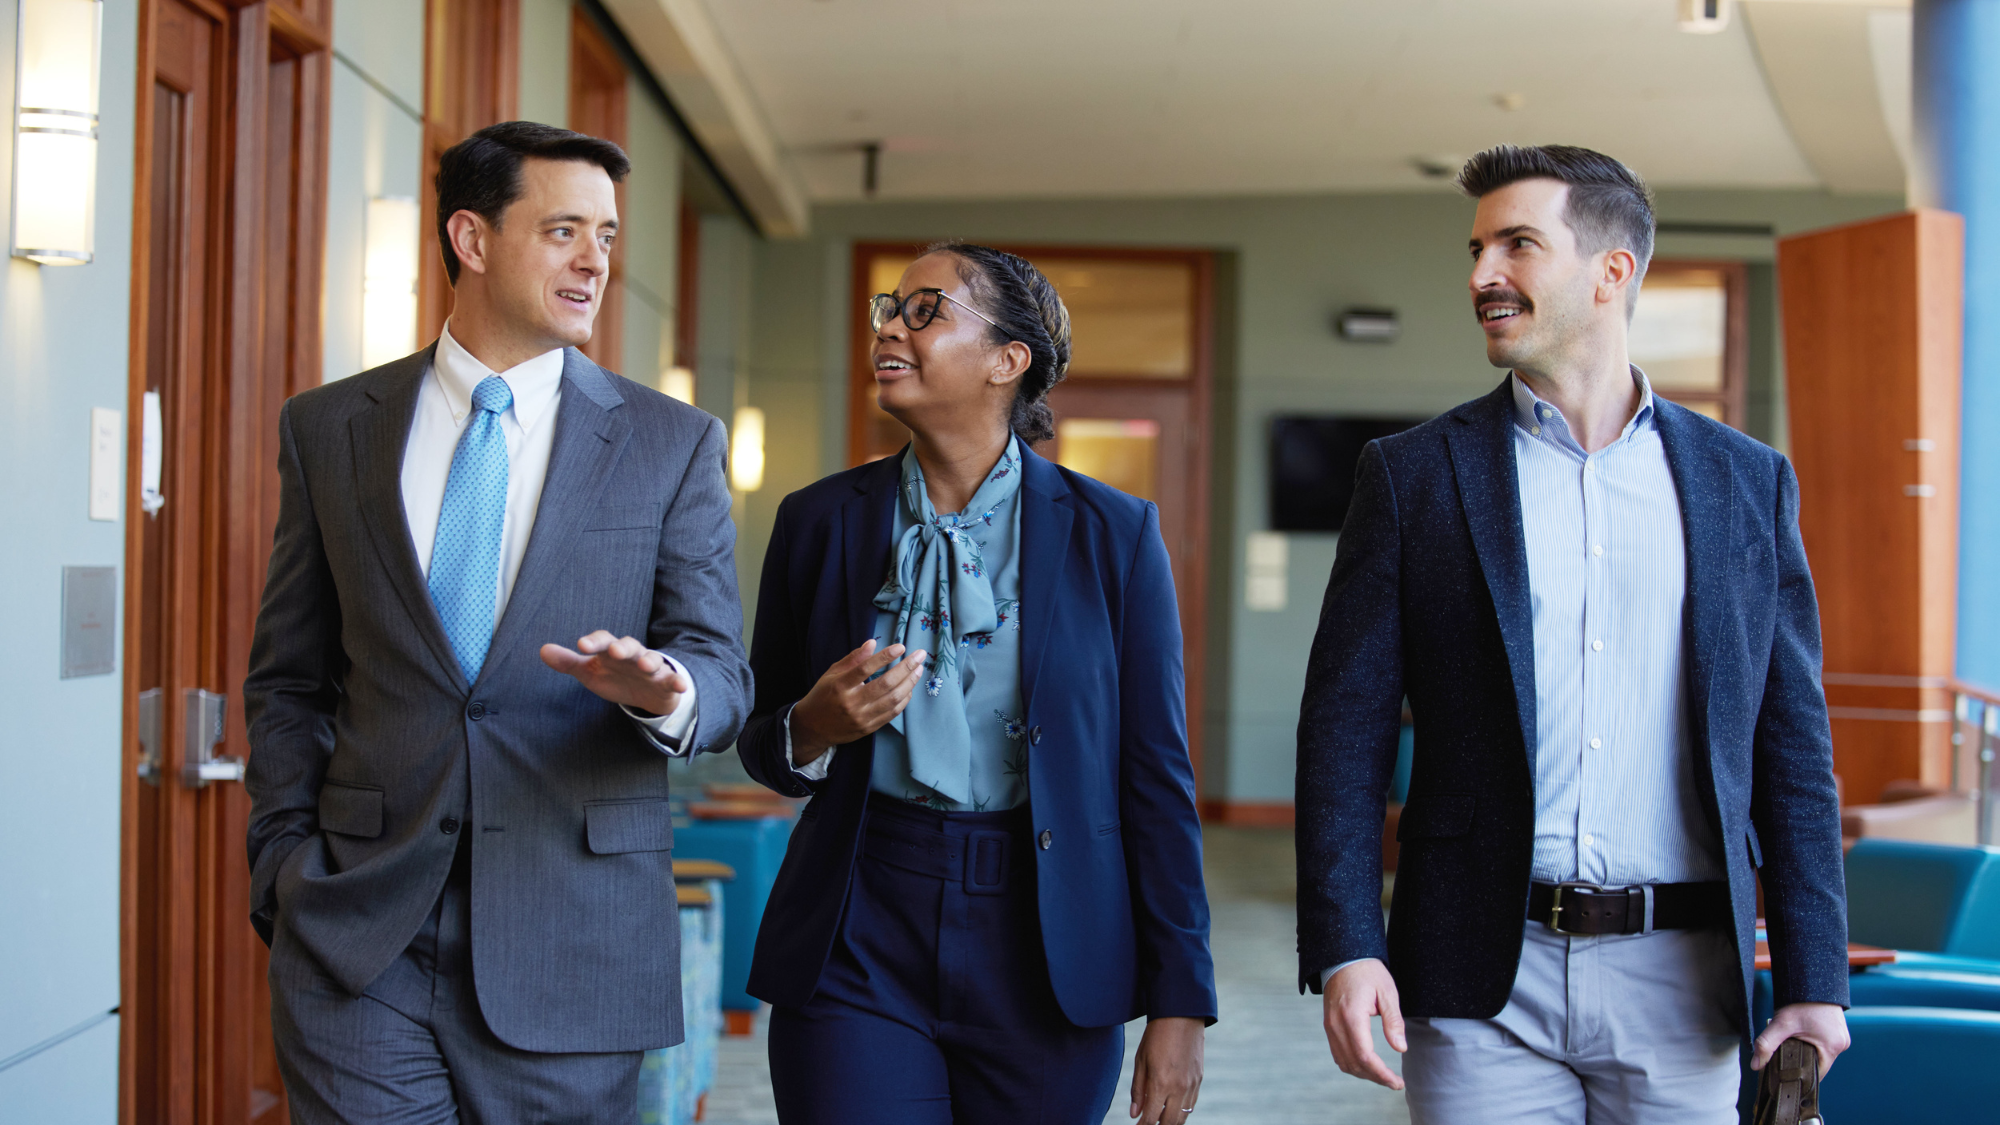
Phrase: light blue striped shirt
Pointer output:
(1615, 796)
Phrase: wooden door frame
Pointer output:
(1199, 385)
(591, 56)
(464, 92)
(208, 1070)
(1733, 397)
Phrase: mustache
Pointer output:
(1500, 297)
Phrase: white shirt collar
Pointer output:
(534, 382)
(1534, 415)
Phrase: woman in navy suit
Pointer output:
(970, 658)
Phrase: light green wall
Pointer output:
(650, 231)
(1286, 264)
(63, 341)
(544, 84)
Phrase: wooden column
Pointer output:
(1872, 342)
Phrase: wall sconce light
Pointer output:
(678, 382)
(1368, 326)
(55, 130)
(389, 281)
(746, 450)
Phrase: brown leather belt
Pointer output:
(1584, 909)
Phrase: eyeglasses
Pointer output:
(917, 309)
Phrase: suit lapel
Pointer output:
(1045, 526)
(1482, 458)
(379, 435)
(590, 434)
(867, 524)
(1705, 478)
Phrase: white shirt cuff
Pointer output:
(673, 733)
(1328, 974)
(814, 770)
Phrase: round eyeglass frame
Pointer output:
(885, 307)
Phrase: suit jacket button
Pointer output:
(477, 711)
(1047, 840)
(448, 825)
(1035, 739)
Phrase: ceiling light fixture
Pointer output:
(1704, 17)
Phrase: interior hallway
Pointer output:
(1267, 1059)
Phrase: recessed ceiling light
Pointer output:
(1438, 166)
(1704, 17)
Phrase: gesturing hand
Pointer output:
(1354, 995)
(845, 704)
(1166, 1076)
(621, 670)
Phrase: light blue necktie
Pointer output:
(465, 559)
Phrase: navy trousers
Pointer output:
(935, 1006)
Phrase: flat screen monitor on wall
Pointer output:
(1313, 459)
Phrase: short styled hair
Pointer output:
(1609, 206)
(482, 173)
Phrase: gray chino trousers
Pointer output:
(1614, 1030)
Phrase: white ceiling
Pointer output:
(1026, 98)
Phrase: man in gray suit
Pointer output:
(460, 847)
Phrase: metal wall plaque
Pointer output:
(90, 621)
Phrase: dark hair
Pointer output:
(1027, 309)
(1609, 206)
(482, 173)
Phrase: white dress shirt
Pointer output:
(444, 404)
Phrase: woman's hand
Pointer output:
(1166, 1077)
(845, 704)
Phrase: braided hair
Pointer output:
(1027, 309)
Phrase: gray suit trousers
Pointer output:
(414, 1048)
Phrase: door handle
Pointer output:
(205, 712)
(149, 736)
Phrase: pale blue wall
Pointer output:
(375, 148)
(63, 335)
(1287, 263)
(650, 231)
(544, 80)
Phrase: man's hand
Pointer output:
(621, 670)
(1822, 1025)
(845, 704)
(1166, 1077)
(1354, 995)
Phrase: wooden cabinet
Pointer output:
(1871, 317)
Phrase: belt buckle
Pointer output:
(1556, 905)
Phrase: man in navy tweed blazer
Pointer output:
(1597, 606)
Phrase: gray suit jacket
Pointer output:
(366, 740)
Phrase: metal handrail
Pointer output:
(1975, 737)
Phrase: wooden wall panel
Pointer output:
(1872, 327)
(597, 107)
(472, 63)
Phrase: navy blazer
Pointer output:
(1429, 600)
(1124, 916)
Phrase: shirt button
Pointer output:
(448, 825)
(1588, 840)
(1535, 430)
(1597, 744)
(1047, 839)
(476, 712)
(1589, 466)
(1598, 550)
(1597, 646)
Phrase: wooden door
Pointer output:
(597, 107)
(472, 64)
(228, 224)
